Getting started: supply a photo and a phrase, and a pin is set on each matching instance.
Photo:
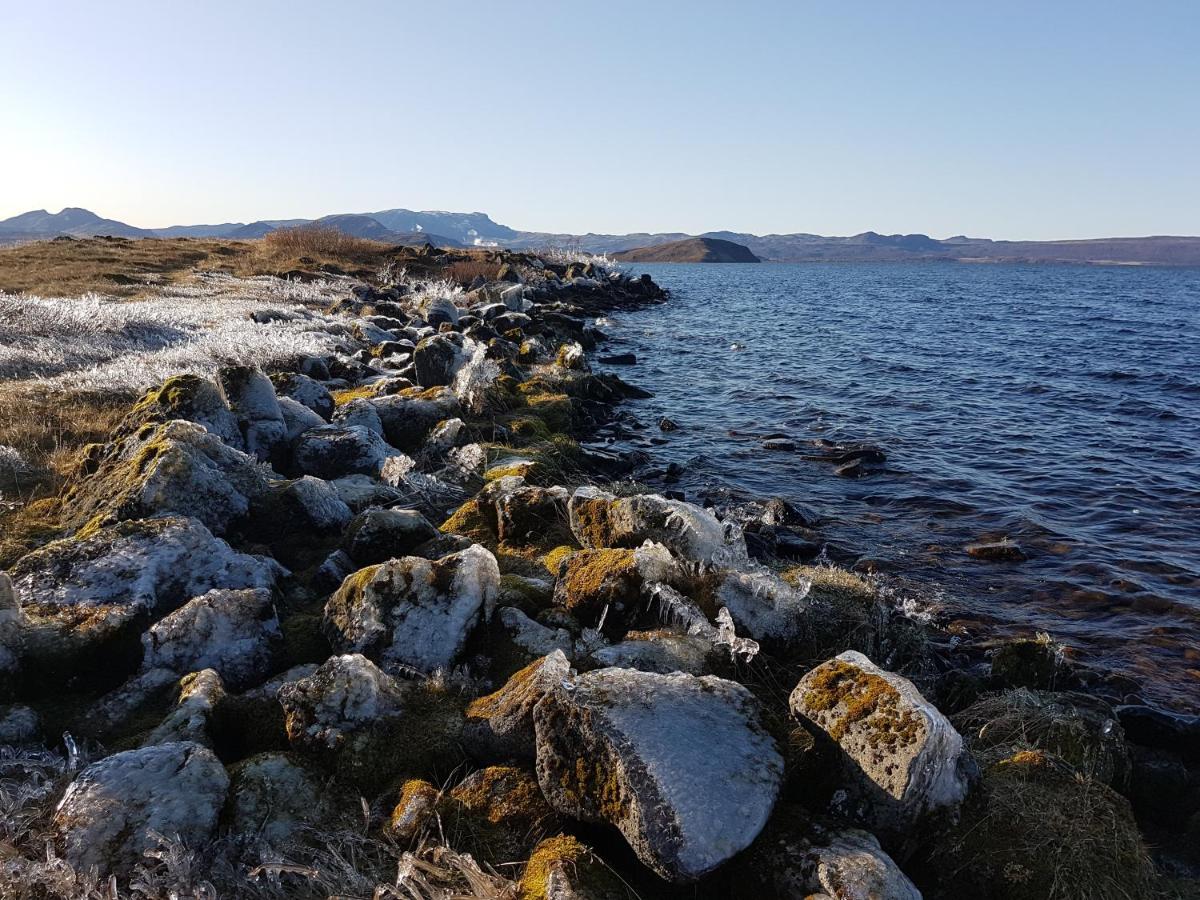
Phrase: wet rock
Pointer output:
(799, 856)
(86, 600)
(996, 551)
(561, 868)
(1164, 730)
(377, 535)
(176, 467)
(113, 811)
(765, 606)
(333, 452)
(902, 760)
(599, 519)
(779, 444)
(306, 391)
(367, 726)
(500, 726)
(1161, 788)
(667, 424)
(414, 612)
(231, 631)
(680, 765)
(609, 583)
(273, 795)
(1078, 728)
(252, 399)
(1037, 663)
(619, 359)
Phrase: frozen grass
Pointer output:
(94, 344)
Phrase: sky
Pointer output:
(1006, 120)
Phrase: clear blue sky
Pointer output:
(1009, 120)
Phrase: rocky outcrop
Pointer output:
(902, 760)
(680, 765)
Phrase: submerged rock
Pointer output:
(412, 611)
(112, 813)
(682, 766)
(902, 760)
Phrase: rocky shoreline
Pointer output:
(385, 622)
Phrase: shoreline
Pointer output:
(478, 427)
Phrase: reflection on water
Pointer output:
(1055, 406)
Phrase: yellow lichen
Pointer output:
(362, 392)
(470, 522)
(842, 695)
(596, 577)
(562, 849)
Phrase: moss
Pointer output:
(491, 704)
(593, 519)
(303, 640)
(469, 521)
(362, 392)
(842, 696)
(417, 803)
(563, 855)
(496, 814)
(431, 393)
(521, 469)
(552, 408)
(596, 578)
(553, 560)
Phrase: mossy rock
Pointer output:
(595, 579)
(563, 866)
(497, 815)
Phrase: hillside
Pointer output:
(690, 250)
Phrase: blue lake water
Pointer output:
(1055, 406)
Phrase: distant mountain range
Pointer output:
(455, 229)
(700, 249)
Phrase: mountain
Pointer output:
(691, 250)
(357, 225)
(466, 228)
(72, 221)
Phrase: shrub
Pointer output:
(321, 240)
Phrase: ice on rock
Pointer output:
(764, 605)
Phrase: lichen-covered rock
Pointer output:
(85, 601)
(571, 356)
(301, 507)
(533, 515)
(682, 766)
(231, 631)
(1036, 823)
(113, 811)
(500, 812)
(413, 811)
(176, 467)
(798, 856)
(376, 535)
(253, 402)
(764, 606)
(367, 726)
(200, 693)
(500, 725)
(297, 418)
(414, 612)
(332, 452)
(304, 390)
(599, 519)
(437, 358)
(1078, 728)
(902, 759)
(562, 868)
(608, 583)
(193, 399)
(359, 411)
(272, 795)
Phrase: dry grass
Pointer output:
(465, 271)
(322, 242)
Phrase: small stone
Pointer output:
(997, 551)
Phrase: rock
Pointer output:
(997, 551)
(111, 814)
(176, 467)
(414, 612)
(436, 359)
(663, 652)
(273, 795)
(436, 310)
(193, 399)
(609, 583)
(561, 868)
(297, 418)
(252, 399)
(19, 725)
(231, 631)
(500, 726)
(1037, 663)
(1038, 823)
(333, 452)
(1161, 788)
(301, 507)
(499, 812)
(86, 600)
(1164, 730)
(10, 636)
(682, 766)
(799, 856)
(765, 606)
(360, 411)
(1078, 728)
(408, 420)
(200, 693)
(533, 515)
(902, 760)
(779, 444)
(516, 640)
(306, 391)
(667, 424)
(367, 726)
(571, 356)
(619, 359)
(377, 535)
(415, 808)
(599, 519)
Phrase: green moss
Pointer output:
(469, 521)
(362, 392)
(593, 519)
(596, 578)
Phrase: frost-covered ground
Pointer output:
(93, 343)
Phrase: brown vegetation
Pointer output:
(465, 271)
(322, 242)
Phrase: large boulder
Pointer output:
(332, 452)
(500, 726)
(369, 727)
(599, 519)
(192, 398)
(681, 765)
(532, 515)
(902, 760)
(414, 612)
(437, 358)
(116, 809)
(376, 535)
(231, 631)
(305, 390)
(85, 601)
(252, 399)
(176, 467)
